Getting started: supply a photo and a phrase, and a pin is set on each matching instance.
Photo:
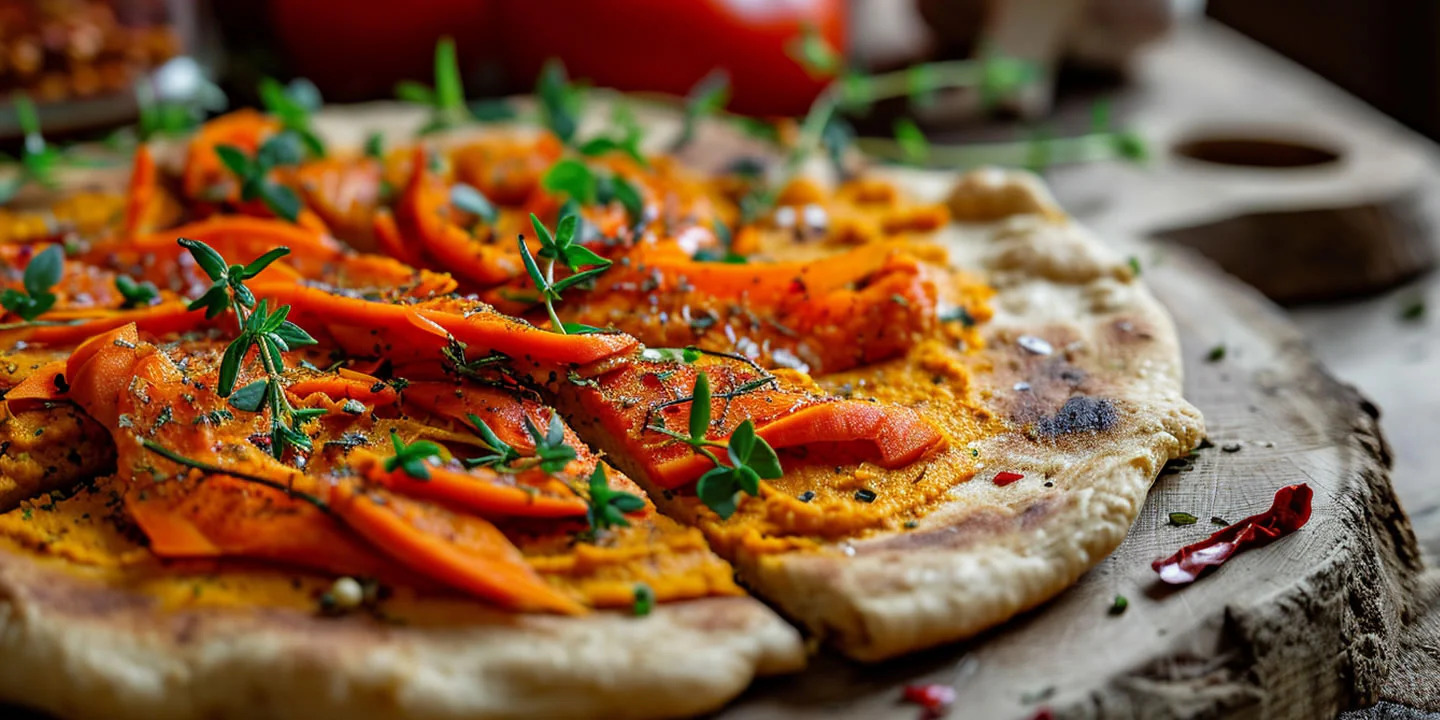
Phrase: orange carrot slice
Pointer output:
(462, 551)
(142, 191)
(479, 490)
(37, 388)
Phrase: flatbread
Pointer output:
(1099, 409)
(1082, 361)
(82, 645)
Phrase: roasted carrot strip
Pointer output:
(244, 129)
(786, 415)
(233, 236)
(142, 191)
(101, 369)
(38, 388)
(220, 516)
(425, 204)
(391, 242)
(345, 384)
(353, 322)
(463, 551)
(480, 490)
(161, 319)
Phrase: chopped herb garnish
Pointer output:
(1217, 520)
(293, 105)
(914, 147)
(607, 507)
(1134, 263)
(375, 146)
(1119, 606)
(707, 98)
(41, 274)
(411, 457)
(1413, 310)
(644, 600)
(447, 99)
(1183, 518)
(814, 52)
(1216, 354)
(38, 159)
(560, 102)
(254, 173)
(474, 202)
(501, 453)
(136, 294)
(550, 446)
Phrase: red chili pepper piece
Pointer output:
(933, 698)
(1005, 478)
(1287, 514)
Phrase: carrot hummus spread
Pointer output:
(275, 367)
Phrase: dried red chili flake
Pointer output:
(1005, 478)
(1288, 513)
(933, 698)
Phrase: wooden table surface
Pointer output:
(1206, 72)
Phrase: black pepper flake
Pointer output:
(912, 524)
(806, 496)
(1231, 447)
(1217, 520)
(865, 495)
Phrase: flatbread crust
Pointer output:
(87, 647)
(1100, 403)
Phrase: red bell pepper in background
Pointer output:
(1287, 514)
(669, 45)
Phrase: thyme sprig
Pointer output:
(551, 455)
(38, 159)
(560, 247)
(293, 105)
(588, 187)
(751, 457)
(411, 457)
(41, 275)
(136, 294)
(269, 332)
(446, 99)
(707, 98)
(254, 173)
(607, 507)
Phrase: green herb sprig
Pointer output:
(41, 275)
(411, 457)
(560, 247)
(587, 187)
(625, 138)
(551, 454)
(293, 106)
(38, 159)
(254, 173)
(447, 99)
(561, 101)
(136, 294)
(751, 457)
(267, 331)
(608, 507)
(707, 98)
